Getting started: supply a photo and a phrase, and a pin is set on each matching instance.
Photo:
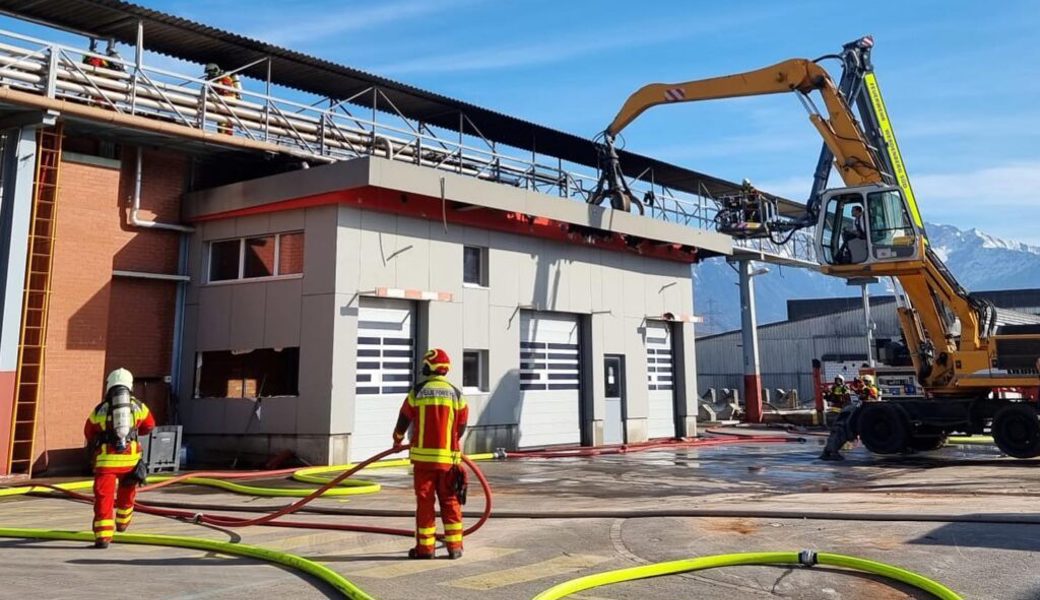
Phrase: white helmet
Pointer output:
(119, 378)
(868, 379)
(839, 379)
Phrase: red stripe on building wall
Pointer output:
(7, 379)
(433, 209)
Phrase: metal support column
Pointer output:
(16, 189)
(869, 324)
(749, 337)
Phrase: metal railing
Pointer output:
(319, 129)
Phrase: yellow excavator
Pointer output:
(872, 227)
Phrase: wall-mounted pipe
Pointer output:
(135, 219)
(159, 276)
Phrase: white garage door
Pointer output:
(385, 369)
(659, 375)
(550, 376)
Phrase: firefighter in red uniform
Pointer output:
(439, 414)
(229, 87)
(112, 430)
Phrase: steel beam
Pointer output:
(749, 337)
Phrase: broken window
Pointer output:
(275, 255)
(290, 253)
(257, 373)
(259, 257)
(223, 260)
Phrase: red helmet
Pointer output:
(436, 361)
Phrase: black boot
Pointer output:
(413, 553)
(454, 554)
(101, 544)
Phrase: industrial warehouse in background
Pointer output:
(269, 264)
(833, 331)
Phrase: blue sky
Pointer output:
(960, 78)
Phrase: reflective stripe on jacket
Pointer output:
(96, 429)
(437, 411)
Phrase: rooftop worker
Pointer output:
(92, 59)
(112, 430)
(437, 414)
(228, 87)
(841, 430)
(115, 62)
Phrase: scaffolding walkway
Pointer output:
(329, 130)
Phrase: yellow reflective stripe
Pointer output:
(117, 460)
(455, 537)
(411, 399)
(452, 527)
(429, 542)
(434, 401)
(124, 511)
(143, 413)
(449, 428)
(124, 520)
(427, 530)
(422, 424)
(104, 523)
(97, 419)
(431, 453)
(892, 147)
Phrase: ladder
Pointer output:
(32, 343)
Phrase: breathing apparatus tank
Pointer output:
(117, 392)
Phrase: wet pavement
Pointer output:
(517, 558)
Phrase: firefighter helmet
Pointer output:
(868, 379)
(839, 379)
(119, 378)
(436, 361)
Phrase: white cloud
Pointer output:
(1014, 185)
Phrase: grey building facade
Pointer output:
(314, 354)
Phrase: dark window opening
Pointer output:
(223, 260)
(474, 370)
(256, 374)
(474, 268)
(259, 257)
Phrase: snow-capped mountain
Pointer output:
(978, 260)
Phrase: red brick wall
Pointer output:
(97, 323)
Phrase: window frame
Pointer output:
(241, 278)
(483, 379)
(484, 275)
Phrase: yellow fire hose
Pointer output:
(334, 579)
(805, 558)
(969, 439)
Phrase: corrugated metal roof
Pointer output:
(196, 42)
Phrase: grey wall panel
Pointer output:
(188, 348)
(415, 264)
(444, 263)
(277, 415)
(475, 324)
(503, 403)
(282, 313)
(348, 255)
(214, 317)
(503, 277)
(248, 315)
(378, 245)
(316, 363)
(253, 225)
(319, 250)
(634, 329)
(218, 230)
(344, 365)
(440, 321)
(291, 220)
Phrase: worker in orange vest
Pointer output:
(439, 413)
(230, 86)
(112, 430)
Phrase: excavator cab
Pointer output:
(866, 225)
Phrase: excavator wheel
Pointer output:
(1016, 430)
(883, 428)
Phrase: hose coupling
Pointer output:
(499, 453)
(808, 558)
(196, 518)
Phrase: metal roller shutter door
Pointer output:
(660, 381)
(550, 380)
(385, 370)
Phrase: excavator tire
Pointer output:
(883, 428)
(1016, 430)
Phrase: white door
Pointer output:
(385, 371)
(660, 421)
(550, 380)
